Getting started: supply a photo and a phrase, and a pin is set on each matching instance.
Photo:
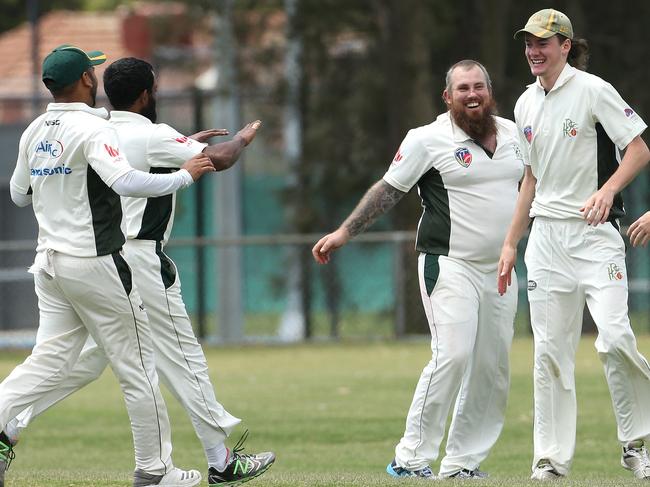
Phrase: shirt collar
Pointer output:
(566, 74)
(79, 107)
(126, 116)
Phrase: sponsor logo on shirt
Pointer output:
(398, 156)
(50, 123)
(532, 285)
(528, 133)
(49, 148)
(569, 128)
(181, 140)
(614, 272)
(51, 171)
(113, 152)
(463, 156)
(628, 112)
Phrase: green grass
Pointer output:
(332, 413)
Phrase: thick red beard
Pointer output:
(478, 126)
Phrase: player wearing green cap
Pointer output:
(71, 170)
(574, 126)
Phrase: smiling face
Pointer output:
(547, 57)
(470, 102)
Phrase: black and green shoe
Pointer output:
(6, 456)
(241, 467)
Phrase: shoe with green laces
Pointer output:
(6, 455)
(240, 467)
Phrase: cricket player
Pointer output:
(72, 170)
(466, 165)
(572, 126)
(156, 148)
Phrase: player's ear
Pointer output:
(446, 98)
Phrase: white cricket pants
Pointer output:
(179, 358)
(471, 328)
(570, 262)
(94, 295)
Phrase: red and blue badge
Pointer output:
(463, 156)
(528, 133)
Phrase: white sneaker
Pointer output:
(174, 478)
(544, 471)
(635, 458)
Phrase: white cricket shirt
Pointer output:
(468, 197)
(156, 148)
(572, 136)
(68, 158)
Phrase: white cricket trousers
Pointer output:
(78, 296)
(570, 262)
(179, 358)
(471, 329)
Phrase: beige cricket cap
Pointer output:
(546, 23)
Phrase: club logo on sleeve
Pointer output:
(518, 154)
(528, 133)
(569, 128)
(614, 272)
(51, 149)
(463, 156)
(398, 155)
(181, 140)
(628, 112)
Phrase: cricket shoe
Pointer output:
(6, 454)
(174, 478)
(544, 471)
(469, 474)
(394, 470)
(635, 458)
(240, 467)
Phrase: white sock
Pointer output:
(12, 430)
(217, 456)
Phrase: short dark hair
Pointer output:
(468, 64)
(125, 80)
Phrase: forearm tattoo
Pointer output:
(380, 198)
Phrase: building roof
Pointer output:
(87, 30)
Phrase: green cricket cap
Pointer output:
(66, 63)
(546, 23)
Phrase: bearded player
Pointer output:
(466, 165)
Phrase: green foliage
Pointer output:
(332, 413)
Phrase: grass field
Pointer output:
(332, 413)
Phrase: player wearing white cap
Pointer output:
(466, 165)
(573, 125)
(71, 169)
(157, 148)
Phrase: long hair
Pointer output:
(579, 54)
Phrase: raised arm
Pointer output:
(380, 198)
(225, 154)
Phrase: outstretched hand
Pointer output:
(323, 249)
(248, 133)
(205, 135)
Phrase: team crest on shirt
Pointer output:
(569, 128)
(398, 155)
(528, 133)
(628, 112)
(518, 154)
(463, 156)
(614, 272)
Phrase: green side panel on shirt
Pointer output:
(106, 210)
(434, 230)
(157, 212)
(431, 271)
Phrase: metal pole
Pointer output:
(228, 187)
(32, 15)
(199, 191)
